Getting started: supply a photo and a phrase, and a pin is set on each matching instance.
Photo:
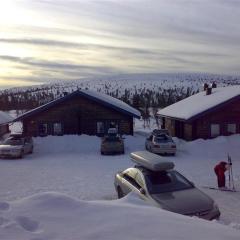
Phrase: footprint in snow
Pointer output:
(27, 223)
(4, 206)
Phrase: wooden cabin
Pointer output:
(80, 112)
(208, 114)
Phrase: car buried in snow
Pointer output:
(112, 143)
(154, 180)
(160, 142)
(16, 146)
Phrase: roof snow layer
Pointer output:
(113, 101)
(101, 98)
(5, 118)
(199, 103)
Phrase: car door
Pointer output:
(27, 145)
(148, 142)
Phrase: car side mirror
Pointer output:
(142, 191)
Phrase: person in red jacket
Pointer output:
(220, 170)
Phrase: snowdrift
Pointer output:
(57, 216)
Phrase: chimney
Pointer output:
(214, 85)
(208, 90)
(205, 86)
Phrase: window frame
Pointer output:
(229, 132)
(211, 130)
(57, 133)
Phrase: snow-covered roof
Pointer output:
(5, 118)
(113, 101)
(199, 103)
(101, 98)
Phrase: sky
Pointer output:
(45, 41)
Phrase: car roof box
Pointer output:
(160, 132)
(151, 161)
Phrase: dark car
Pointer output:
(112, 143)
(155, 180)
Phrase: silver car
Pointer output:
(16, 146)
(164, 187)
(160, 143)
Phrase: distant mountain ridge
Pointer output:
(162, 88)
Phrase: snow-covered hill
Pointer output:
(140, 90)
(133, 82)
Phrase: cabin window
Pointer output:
(57, 128)
(100, 127)
(231, 128)
(215, 130)
(43, 129)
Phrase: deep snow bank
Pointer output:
(56, 216)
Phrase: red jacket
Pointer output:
(220, 169)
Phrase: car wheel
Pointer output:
(31, 151)
(21, 154)
(119, 192)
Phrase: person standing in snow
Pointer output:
(220, 170)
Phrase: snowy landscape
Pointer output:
(157, 89)
(65, 190)
(75, 70)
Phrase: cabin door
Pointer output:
(79, 125)
(179, 129)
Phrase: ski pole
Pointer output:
(233, 187)
(229, 173)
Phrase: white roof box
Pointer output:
(151, 161)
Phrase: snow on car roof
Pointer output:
(200, 102)
(5, 118)
(151, 161)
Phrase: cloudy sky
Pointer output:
(43, 41)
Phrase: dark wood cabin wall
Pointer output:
(229, 113)
(76, 113)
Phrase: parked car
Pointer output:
(112, 143)
(160, 142)
(15, 146)
(153, 179)
(160, 131)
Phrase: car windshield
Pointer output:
(162, 139)
(14, 142)
(166, 181)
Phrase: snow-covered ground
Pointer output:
(65, 190)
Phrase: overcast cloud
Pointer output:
(75, 39)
